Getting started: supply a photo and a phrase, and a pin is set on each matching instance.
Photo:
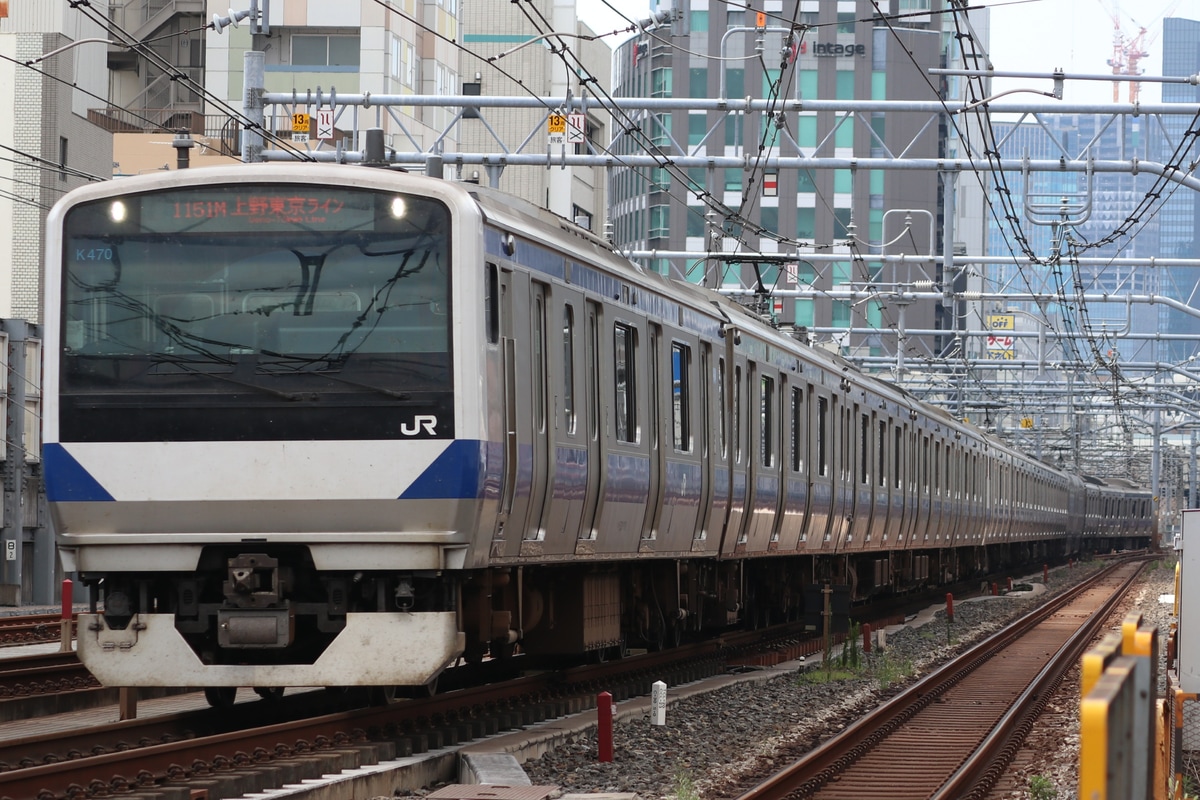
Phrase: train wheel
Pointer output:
(428, 689)
(220, 696)
(474, 653)
(271, 693)
(503, 649)
(382, 695)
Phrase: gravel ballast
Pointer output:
(715, 743)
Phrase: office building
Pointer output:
(842, 51)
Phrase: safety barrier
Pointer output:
(1118, 722)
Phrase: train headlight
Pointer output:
(399, 208)
(117, 212)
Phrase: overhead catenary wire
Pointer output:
(127, 39)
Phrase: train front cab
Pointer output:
(250, 446)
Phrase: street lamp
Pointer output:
(44, 56)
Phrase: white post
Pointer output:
(658, 703)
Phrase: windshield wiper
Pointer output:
(184, 366)
(381, 389)
(325, 373)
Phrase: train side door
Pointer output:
(540, 460)
(498, 283)
(593, 411)
(843, 474)
(683, 475)
(711, 438)
(862, 495)
(764, 484)
(898, 489)
(506, 529)
(795, 494)
(622, 509)
(654, 415)
(820, 474)
(526, 444)
(737, 400)
(746, 459)
(568, 462)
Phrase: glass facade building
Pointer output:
(1179, 218)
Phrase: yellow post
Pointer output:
(1093, 749)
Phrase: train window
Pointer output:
(925, 464)
(766, 412)
(898, 447)
(538, 360)
(705, 357)
(624, 344)
(847, 434)
(569, 368)
(593, 373)
(797, 427)
(937, 467)
(881, 443)
(721, 405)
(491, 303)
(653, 376)
(822, 436)
(681, 403)
(864, 450)
(737, 414)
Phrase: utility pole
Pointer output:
(29, 558)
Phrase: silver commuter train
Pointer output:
(336, 426)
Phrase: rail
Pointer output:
(1009, 702)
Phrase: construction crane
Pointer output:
(1128, 51)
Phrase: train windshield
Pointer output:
(252, 296)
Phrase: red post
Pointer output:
(64, 645)
(1045, 573)
(1010, 584)
(67, 602)
(949, 606)
(995, 589)
(866, 629)
(604, 727)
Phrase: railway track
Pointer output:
(49, 673)
(30, 628)
(950, 735)
(270, 743)
(260, 740)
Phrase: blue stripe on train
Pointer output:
(456, 474)
(66, 479)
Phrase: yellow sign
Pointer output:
(1001, 355)
(760, 19)
(558, 123)
(300, 123)
(1026, 422)
(1001, 322)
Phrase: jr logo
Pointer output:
(427, 422)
